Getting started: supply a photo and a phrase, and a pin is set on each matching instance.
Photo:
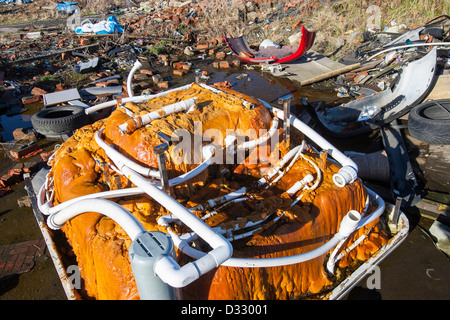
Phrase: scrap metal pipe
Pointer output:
(409, 46)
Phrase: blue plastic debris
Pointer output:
(67, 7)
(109, 26)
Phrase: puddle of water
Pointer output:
(10, 121)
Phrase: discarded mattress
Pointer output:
(414, 81)
(271, 54)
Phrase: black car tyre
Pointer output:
(59, 120)
(430, 121)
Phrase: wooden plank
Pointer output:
(432, 161)
(440, 89)
(52, 54)
(434, 211)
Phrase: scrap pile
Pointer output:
(59, 73)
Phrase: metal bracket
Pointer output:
(159, 151)
(286, 102)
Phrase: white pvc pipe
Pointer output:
(125, 219)
(47, 209)
(409, 46)
(168, 269)
(348, 173)
(334, 257)
(115, 156)
(164, 111)
(112, 103)
(100, 195)
(142, 98)
(137, 65)
(253, 143)
(346, 228)
(300, 184)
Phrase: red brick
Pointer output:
(36, 91)
(202, 47)
(10, 178)
(224, 64)
(220, 55)
(187, 66)
(140, 76)
(179, 72)
(147, 72)
(30, 100)
(163, 84)
(178, 65)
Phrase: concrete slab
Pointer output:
(314, 66)
(61, 96)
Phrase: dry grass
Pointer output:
(99, 6)
(335, 19)
(222, 17)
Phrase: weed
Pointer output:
(159, 48)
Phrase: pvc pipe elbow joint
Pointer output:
(42, 205)
(349, 223)
(170, 272)
(345, 175)
(51, 223)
